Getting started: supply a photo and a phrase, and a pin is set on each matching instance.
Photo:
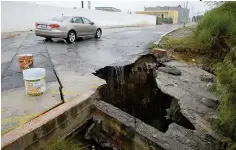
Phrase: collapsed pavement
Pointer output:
(140, 107)
(171, 97)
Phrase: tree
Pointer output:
(213, 4)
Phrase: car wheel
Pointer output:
(48, 39)
(98, 33)
(71, 37)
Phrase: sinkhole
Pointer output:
(133, 89)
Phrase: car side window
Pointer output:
(86, 21)
(76, 20)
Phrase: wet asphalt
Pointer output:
(82, 57)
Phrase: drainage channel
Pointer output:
(76, 140)
(104, 132)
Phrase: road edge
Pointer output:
(158, 41)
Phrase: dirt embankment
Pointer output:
(181, 46)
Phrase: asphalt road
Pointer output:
(82, 57)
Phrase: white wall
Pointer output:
(21, 16)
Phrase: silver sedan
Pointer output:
(67, 27)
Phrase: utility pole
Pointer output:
(82, 4)
(89, 4)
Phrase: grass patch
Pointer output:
(182, 46)
(217, 29)
(226, 92)
(67, 145)
(152, 46)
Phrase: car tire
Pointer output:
(48, 39)
(71, 37)
(98, 33)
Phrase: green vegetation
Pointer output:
(67, 145)
(215, 32)
(185, 45)
(226, 92)
(213, 44)
(164, 20)
(197, 18)
(182, 45)
(150, 47)
(211, 41)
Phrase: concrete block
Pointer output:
(18, 108)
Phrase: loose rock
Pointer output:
(207, 78)
(210, 102)
(170, 70)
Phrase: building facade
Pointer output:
(111, 9)
(178, 14)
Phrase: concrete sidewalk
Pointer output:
(17, 108)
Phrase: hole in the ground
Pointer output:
(133, 89)
(89, 136)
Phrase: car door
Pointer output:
(90, 28)
(79, 26)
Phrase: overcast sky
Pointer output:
(133, 6)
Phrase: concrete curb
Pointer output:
(126, 26)
(158, 41)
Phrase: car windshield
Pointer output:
(59, 19)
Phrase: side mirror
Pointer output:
(92, 23)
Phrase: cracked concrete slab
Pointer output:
(74, 84)
(176, 137)
(192, 93)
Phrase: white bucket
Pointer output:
(34, 81)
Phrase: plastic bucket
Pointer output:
(34, 81)
(25, 61)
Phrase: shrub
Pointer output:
(216, 34)
(165, 20)
(217, 29)
(169, 20)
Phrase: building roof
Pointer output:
(105, 7)
(164, 8)
(110, 8)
